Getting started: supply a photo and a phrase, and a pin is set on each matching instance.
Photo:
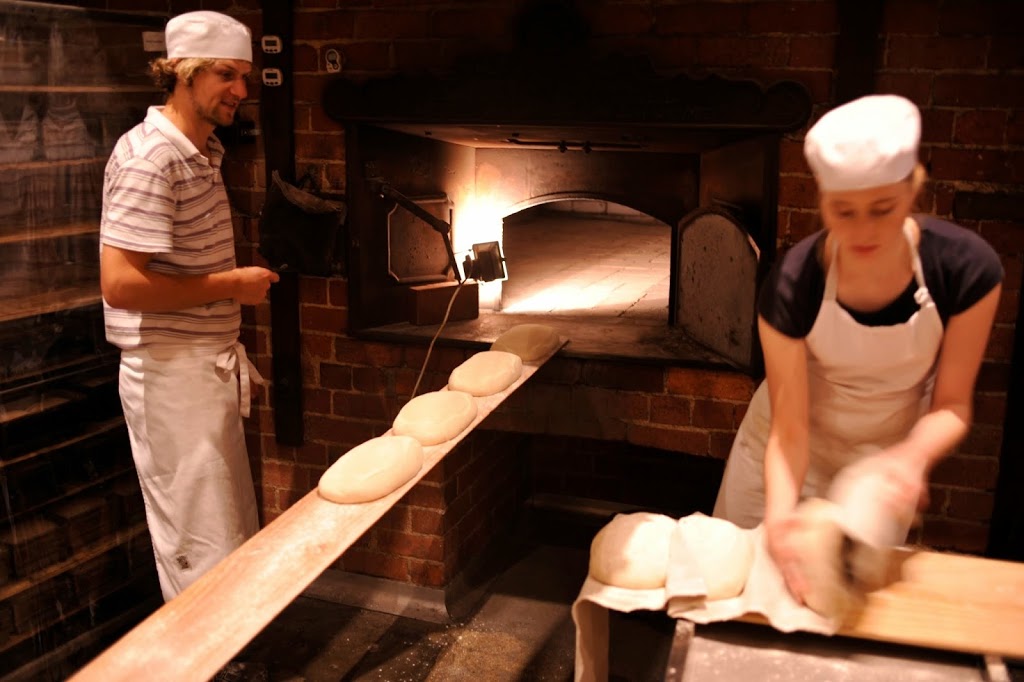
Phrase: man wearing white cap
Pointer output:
(873, 330)
(171, 296)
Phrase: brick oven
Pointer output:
(430, 99)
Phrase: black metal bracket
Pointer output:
(440, 226)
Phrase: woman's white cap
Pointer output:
(209, 35)
(869, 142)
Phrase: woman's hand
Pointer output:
(781, 536)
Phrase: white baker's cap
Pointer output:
(869, 142)
(209, 35)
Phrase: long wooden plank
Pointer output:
(944, 601)
(195, 634)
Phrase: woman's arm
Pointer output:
(787, 453)
(128, 284)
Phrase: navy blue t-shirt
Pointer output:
(959, 269)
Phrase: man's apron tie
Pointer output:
(234, 358)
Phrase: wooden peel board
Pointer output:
(944, 601)
(195, 634)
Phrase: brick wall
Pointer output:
(961, 62)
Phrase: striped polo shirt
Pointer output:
(161, 196)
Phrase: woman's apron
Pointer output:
(184, 408)
(867, 387)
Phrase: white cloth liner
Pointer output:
(765, 593)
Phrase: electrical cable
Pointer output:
(444, 321)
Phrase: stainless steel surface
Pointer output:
(741, 651)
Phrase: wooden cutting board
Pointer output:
(196, 633)
(944, 601)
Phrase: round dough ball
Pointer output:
(435, 417)
(631, 551)
(372, 470)
(486, 373)
(528, 341)
(722, 551)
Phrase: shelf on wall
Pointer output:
(91, 431)
(79, 88)
(29, 234)
(66, 298)
(53, 163)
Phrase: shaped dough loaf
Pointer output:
(372, 470)
(721, 550)
(486, 373)
(528, 341)
(631, 551)
(436, 417)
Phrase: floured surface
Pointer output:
(195, 634)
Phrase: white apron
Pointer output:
(867, 387)
(184, 409)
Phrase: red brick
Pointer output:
(791, 157)
(938, 53)
(308, 88)
(398, 518)
(994, 376)
(559, 371)
(671, 52)
(355, 352)
(1000, 344)
(721, 444)
(742, 51)
(712, 414)
(709, 384)
(305, 58)
(319, 145)
(334, 430)
(363, 406)
(412, 55)
(915, 85)
(369, 379)
(981, 165)
(427, 495)
(313, 454)
(979, 90)
(376, 564)
(1006, 238)
(626, 377)
(937, 125)
(802, 224)
(481, 23)
(970, 505)
(812, 51)
(427, 573)
(389, 24)
(442, 359)
(798, 192)
(919, 17)
(671, 409)
(338, 292)
(282, 475)
(427, 521)
(335, 376)
(331, 25)
(620, 19)
(367, 56)
(983, 18)
(980, 126)
(317, 346)
(989, 409)
(1007, 52)
(960, 536)
(978, 473)
(692, 441)
(1009, 304)
(700, 19)
(313, 290)
(792, 17)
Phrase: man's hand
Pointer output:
(253, 283)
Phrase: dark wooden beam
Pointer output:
(277, 119)
(857, 48)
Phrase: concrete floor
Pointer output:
(521, 631)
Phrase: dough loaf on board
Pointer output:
(435, 417)
(722, 551)
(372, 470)
(632, 551)
(529, 341)
(486, 373)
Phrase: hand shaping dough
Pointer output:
(433, 418)
(372, 470)
(631, 551)
(723, 552)
(528, 341)
(838, 569)
(486, 373)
